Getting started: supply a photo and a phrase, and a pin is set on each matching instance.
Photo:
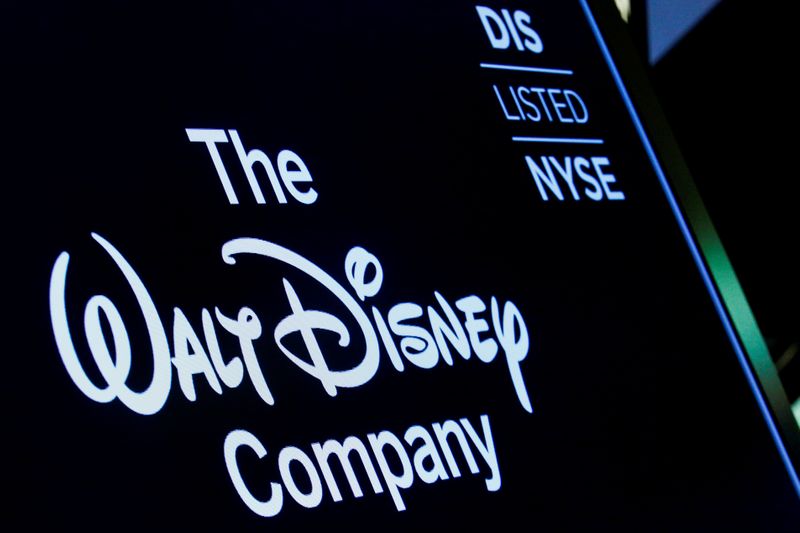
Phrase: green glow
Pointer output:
(738, 309)
(796, 411)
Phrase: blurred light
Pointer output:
(669, 20)
(788, 355)
(624, 7)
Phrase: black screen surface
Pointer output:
(249, 237)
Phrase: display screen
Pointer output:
(359, 266)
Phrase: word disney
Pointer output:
(442, 333)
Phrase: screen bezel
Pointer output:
(698, 230)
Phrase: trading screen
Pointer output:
(360, 265)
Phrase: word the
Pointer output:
(575, 173)
(393, 462)
(501, 31)
(538, 104)
(291, 167)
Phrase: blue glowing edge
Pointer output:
(696, 255)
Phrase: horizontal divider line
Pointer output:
(556, 140)
(520, 68)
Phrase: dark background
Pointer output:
(643, 419)
(727, 92)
